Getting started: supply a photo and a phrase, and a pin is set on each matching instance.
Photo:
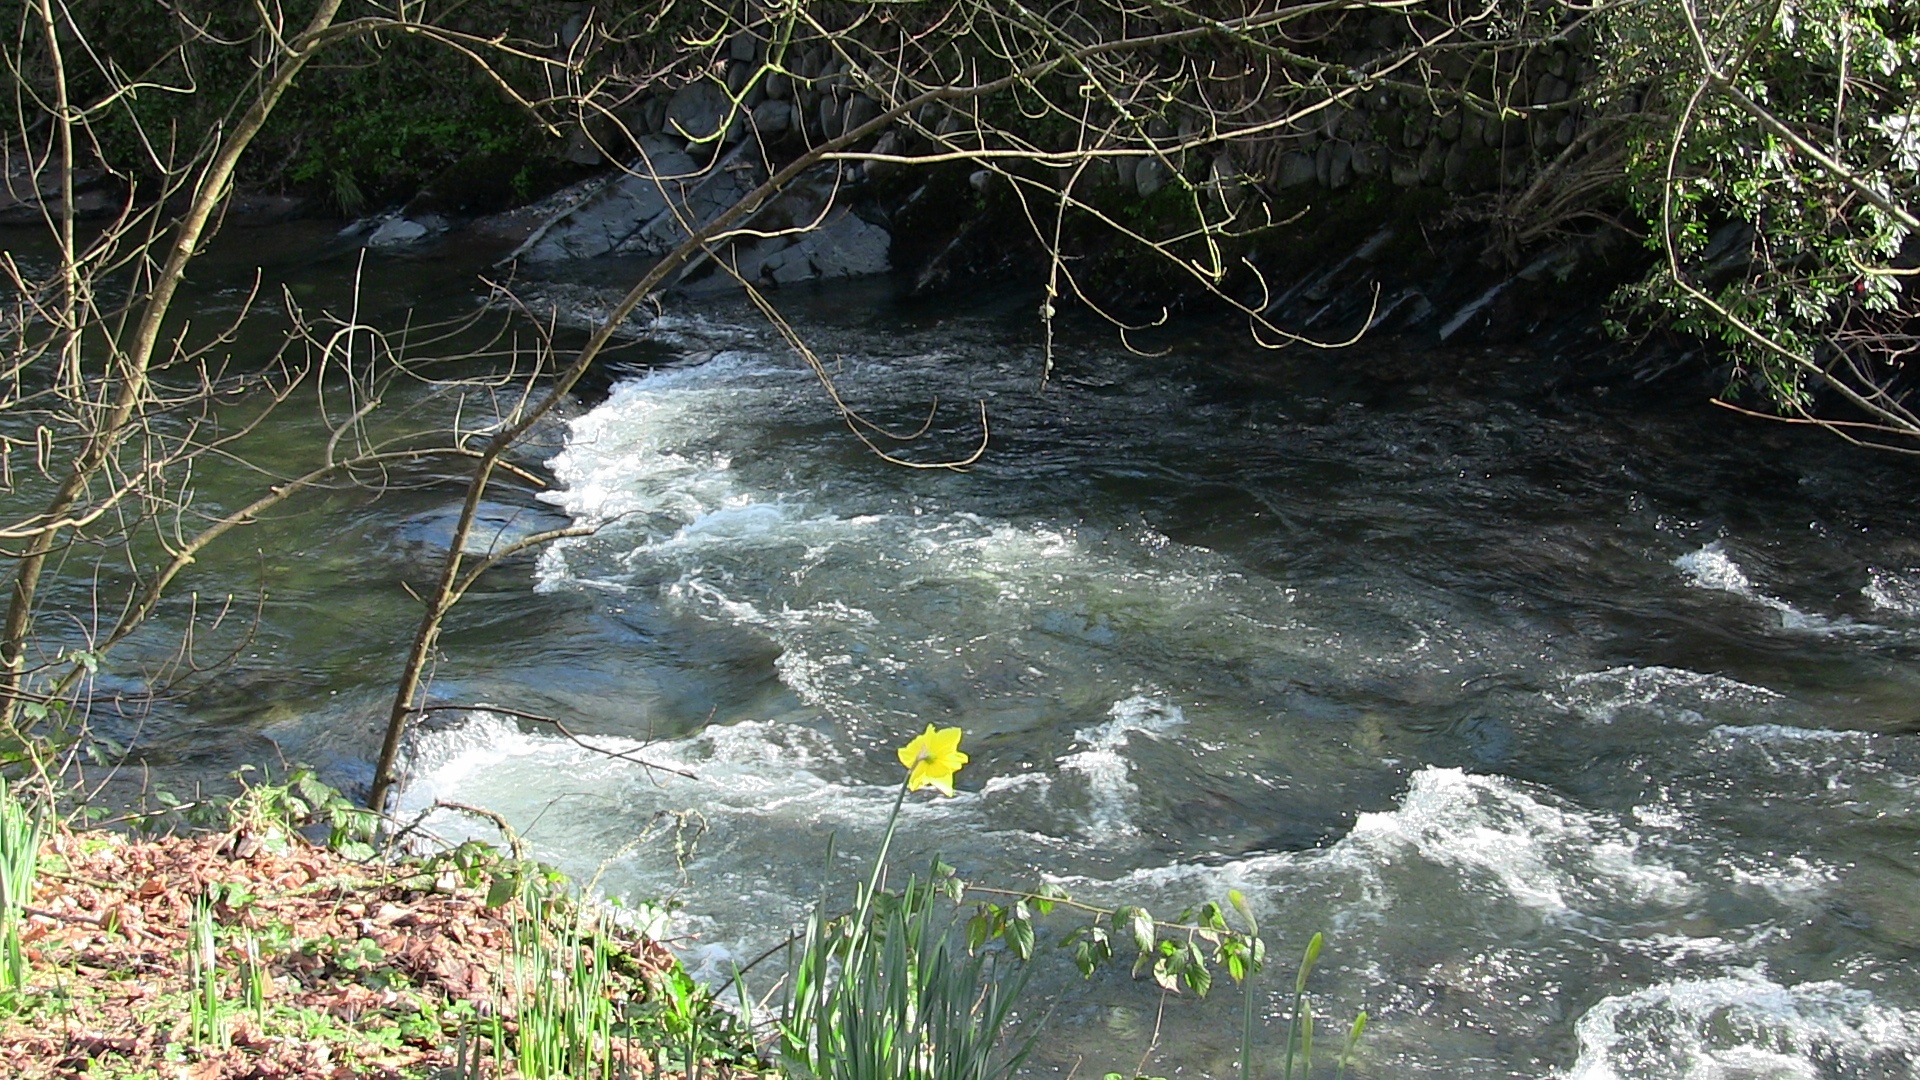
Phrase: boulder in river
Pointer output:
(496, 527)
(806, 232)
(397, 232)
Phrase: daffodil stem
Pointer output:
(880, 858)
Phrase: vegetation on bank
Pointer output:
(371, 123)
(248, 952)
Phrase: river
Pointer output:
(1580, 717)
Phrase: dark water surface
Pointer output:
(1581, 720)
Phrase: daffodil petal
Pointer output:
(942, 743)
(932, 757)
(916, 750)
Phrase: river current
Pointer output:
(1580, 719)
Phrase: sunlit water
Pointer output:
(1581, 725)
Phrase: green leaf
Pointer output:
(1195, 974)
(948, 882)
(1139, 924)
(1020, 937)
(1166, 971)
(1095, 947)
(1083, 958)
(1043, 900)
(979, 929)
(1212, 917)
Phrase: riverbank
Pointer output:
(254, 954)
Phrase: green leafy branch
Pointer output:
(1181, 952)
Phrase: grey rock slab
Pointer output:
(846, 245)
(699, 201)
(789, 267)
(605, 218)
(397, 232)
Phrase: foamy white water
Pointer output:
(1535, 817)
(1713, 568)
(1745, 1025)
(1104, 768)
(1665, 695)
(1894, 591)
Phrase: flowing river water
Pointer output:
(1580, 719)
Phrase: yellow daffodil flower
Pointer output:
(932, 758)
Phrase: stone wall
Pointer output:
(1410, 177)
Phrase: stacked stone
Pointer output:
(1484, 123)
